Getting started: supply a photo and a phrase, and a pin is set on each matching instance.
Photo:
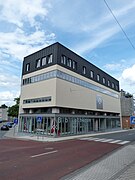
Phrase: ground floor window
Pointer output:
(60, 126)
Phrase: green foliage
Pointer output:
(14, 110)
(3, 106)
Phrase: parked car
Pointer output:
(4, 127)
(0, 121)
(9, 124)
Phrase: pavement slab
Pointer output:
(111, 167)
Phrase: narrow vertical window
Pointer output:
(108, 83)
(38, 63)
(69, 62)
(91, 74)
(104, 80)
(98, 77)
(84, 70)
(28, 67)
(43, 61)
(50, 59)
(63, 59)
(113, 85)
(74, 65)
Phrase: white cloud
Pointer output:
(129, 75)
(18, 12)
(7, 97)
(112, 67)
(7, 82)
(117, 67)
(127, 79)
(27, 35)
(19, 44)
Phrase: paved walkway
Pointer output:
(12, 133)
(118, 166)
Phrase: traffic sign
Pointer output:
(15, 121)
(132, 119)
(39, 119)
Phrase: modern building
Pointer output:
(127, 109)
(64, 94)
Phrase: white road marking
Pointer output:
(123, 142)
(102, 139)
(115, 141)
(37, 155)
(107, 140)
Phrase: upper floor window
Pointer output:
(98, 77)
(116, 87)
(108, 83)
(50, 59)
(112, 85)
(28, 67)
(104, 80)
(43, 61)
(38, 63)
(63, 59)
(74, 65)
(84, 70)
(69, 62)
(91, 74)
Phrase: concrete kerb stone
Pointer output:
(12, 133)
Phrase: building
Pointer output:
(3, 113)
(64, 94)
(127, 109)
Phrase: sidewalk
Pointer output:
(12, 133)
(118, 166)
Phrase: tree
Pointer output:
(14, 110)
(3, 106)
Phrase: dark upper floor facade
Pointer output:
(58, 54)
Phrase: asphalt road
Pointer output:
(32, 160)
(124, 136)
(21, 160)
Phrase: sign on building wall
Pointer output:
(132, 119)
(99, 102)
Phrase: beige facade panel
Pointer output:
(67, 94)
(83, 78)
(74, 96)
(38, 90)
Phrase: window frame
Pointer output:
(27, 67)
(104, 80)
(63, 59)
(84, 70)
(44, 61)
(38, 63)
(92, 74)
(49, 59)
(98, 77)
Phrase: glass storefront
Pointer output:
(63, 126)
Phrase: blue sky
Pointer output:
(85, 26)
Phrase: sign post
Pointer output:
(15, 123)
(132, 119)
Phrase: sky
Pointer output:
(87, 27)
